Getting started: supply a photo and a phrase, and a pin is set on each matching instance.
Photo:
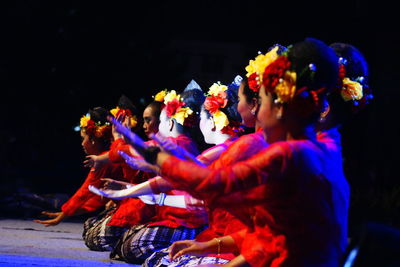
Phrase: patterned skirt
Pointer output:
(161, 259)
(98, 235)
(139, 242)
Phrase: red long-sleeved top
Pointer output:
(130, 211)
(175, 217)
(86, 200)
(292, 196)
(222, 222)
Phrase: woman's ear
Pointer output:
(213, 128)
(254, 106)
(171, 124)
(279, 111)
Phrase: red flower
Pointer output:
(274, 71)
(91, 128)
(122, 113)
(173, 106)
(254, 83)
(342, 71)
(214, 103)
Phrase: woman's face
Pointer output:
(244, 108)
(88, 146)
(267, 115)
(164, 126)
(150, 121)
(206, 125)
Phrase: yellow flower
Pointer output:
(182, 114)
(133, 121)
(351, 90)
(220, 120)
(114, 111)
(216, 88)
(160, 96)
(84, 120)
(171, 96)
(286, 88)
(259, 64)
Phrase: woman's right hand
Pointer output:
(188, 247)
(57, 217)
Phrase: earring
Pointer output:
(279, 116)
(253, 112)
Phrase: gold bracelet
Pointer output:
(219, 245)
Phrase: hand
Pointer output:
(92, 161)
(57, 217)
(187, 247)
(168, 146)
(110, 204)
(112, 184)
(174, 149)
(131, 138)
(137, 163)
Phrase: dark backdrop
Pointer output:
(59, 58)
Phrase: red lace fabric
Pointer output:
(86, 200)
(291, 196)
(175, 217)
(130, 211)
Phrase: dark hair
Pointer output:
(355, 66)
(248, 93)
(194, 99)
(316, 67)
(125, 103)
(313, 51)
(156, 107)
(99, 115)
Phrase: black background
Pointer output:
(60, 58)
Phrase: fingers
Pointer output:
(182, 252)
(47, 222)
(107, 180)
(96, 191)
(176, 247)
(50, 214)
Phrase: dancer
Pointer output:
(102, 232)
(289, 195)
(179, 114)
(95, 131)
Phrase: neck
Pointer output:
(219, 138)
(307, 132)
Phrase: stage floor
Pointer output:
(25, 243)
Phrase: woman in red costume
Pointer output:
(290, 195)
(102, 232)
(178, 117)
(96, 136)
(220, 125)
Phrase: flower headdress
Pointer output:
(174, 107)
(92, 128)
(122, 113)
(256, 68)
(354, 90)
(217, 99)
(278, 78)
(159, 97)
